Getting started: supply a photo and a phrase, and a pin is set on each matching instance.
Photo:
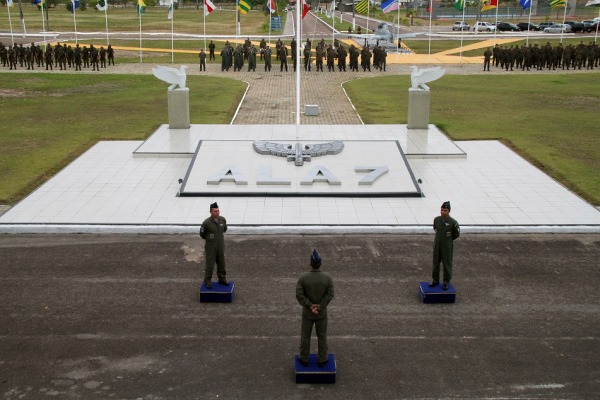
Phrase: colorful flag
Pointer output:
(593, 3)
(272, 7)
(557, 3)
(40, 3)
(9, 3)
(208, 7)
(389, 5)
(489, 5)
(525, 4)
(459, 5)
(140, 7)
(102, 5)
(305, 9)
(362, 7)
(170, 10)
(75, 4)
(244, 6)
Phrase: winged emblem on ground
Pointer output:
(297, 152)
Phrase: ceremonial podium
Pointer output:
(313, 373)
(218, 293)
(436, 294)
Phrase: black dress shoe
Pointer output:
(433, 284)
(304, 363)
(321, 364)
(208, 285)
(445, 286)
(223, 282)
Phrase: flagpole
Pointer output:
(172, 24)
(430, 22)
(333, 23)
(140, 18)
(563, 21)
(204, 24)
(74, 20)
(529, 24)
(10, 24)
(237, 18)
(43, 23)
(299, 5)
(398, 33)
(106, 21)
(270, 18)
(496, 30)
(462, 32)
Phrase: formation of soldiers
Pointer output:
(543, 57)
(61, 56)
(324, 53)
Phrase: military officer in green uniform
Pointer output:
(446, 231)
(212, 231)
(314, 291)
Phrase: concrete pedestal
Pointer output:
(179, 108)
(418, 108)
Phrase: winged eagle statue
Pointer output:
(298, 153)
(419, 77)
(175, 77)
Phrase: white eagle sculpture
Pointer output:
(175, 77)
(419, 77)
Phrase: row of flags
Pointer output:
(362, 7)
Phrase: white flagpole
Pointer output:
(270, 19)
(299, 5)
(529, 24)
(74, 19)
(106, 21)
(462, 32)
(597, 25)
(172, 41)
(10, 24)
(430, 20)
(398, 32)
(496, 30)
(237, 18)
(204, 24)
(333, 23)
(368, 11)
(43, 22)
(563, 21)
(140, 18)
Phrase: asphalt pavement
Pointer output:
(118, 317)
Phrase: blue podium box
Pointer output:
(436, 294)
(218, 293)
(313, 373)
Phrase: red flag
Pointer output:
(305, 8)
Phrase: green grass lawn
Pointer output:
(154, 19)
(57, 117)
(551, 120)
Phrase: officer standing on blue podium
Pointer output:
(314, 291)
(212, 231)
(446, 231)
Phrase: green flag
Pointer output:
(244, 6)
(459, 4)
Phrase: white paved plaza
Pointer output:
(134, 186)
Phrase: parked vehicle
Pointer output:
(507, 26)
(576, 26)
(526, 26)
(545, 25)
(558, 28)
(461, 26)
(484, 27)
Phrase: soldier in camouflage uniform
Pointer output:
(212, 231)
(314, 292)
(447, 231)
